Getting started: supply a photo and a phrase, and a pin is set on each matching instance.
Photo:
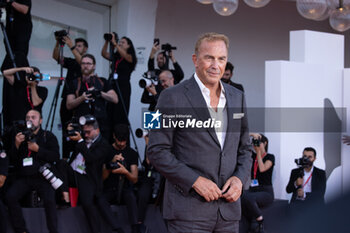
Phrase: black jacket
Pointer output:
(318, 185)
(95, 156)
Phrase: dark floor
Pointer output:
(72, 220)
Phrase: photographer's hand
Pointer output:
(33, 146)
(155, 49)
(152, 89)
(121, 170)
(67, 40)
(19, 139)
(117, 157)
(113, 41)
(76, 137)
(300, 193)
(172, 58)
(299, 181)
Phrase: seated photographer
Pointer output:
(34, 148)
(123, 64)
(260, 193)
(73, 71)
(307, 183)
(121, 174)
(3, 175)
(163, 61)
(88, 95)
(84, 171)
(28, 95)
(151, 93)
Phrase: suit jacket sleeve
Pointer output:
(318, 186)
(160, 149)
(293, 177)
(244, 153)
(97, 152)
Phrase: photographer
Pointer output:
(260, 193)
(151, 93)
(18, 29)
(73, 71)
(88, 94)
(307, 183)
(228, 75)
(123, 62)
(121, 175)
(3, 175)
(84, 171)
(162, 62)
(32, 150)
(27, 94)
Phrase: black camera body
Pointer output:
(95, 93)
(60, 34)
(256, 142)
(168, 47)
(108, 36)
(75, 125)
(303, 162)
(148, 79)
(115, 165)
(23, 127)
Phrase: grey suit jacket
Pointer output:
(182, 155)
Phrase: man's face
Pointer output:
(227, 76)
(120, 144)
(160, 60)
(310, 155)
(90, 133)
(87, 66)
(34, 117)
(79, 46)
(210, 62)
(166, 81)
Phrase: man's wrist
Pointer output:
(72, 48)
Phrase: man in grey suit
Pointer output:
(206, 157)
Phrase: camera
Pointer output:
(95, 93)
(76, 127)
(38, 77)
(256, 142)
(115, 165)
(2, 150)
(303, 162)
(108, 36)
(168, 47)
(49, 176)
(59, 35)
(141, 133)
(26, 128)
(87, 119)
(148, 79)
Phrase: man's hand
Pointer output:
(155, 49)
(171, 55)
(232, 189)
(67, 41)
(117, 157)
(299, 181)
(77, 135)
(121, 170)
(300, 193)
(152, 89)
(33, 146)
(207, 189)
(19, 139)
(86, 97)
(346, 140)
(2, 180)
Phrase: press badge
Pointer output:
(27, 162)
(81, 168)
(254, 183)
(115, 76)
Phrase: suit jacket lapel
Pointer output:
(195, 97)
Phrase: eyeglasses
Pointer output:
(87, 63)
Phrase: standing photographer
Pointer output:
(33, 148)
(307, 183)
(88, 94)
(19, 30)
(123, 64)
(73, 71)
(27, 94)
(162, 61)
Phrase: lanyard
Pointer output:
(28, 97)
(87, 86)
(307, 180)
(29, 153)
(117, 63)
(256, 164)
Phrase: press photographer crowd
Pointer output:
(96, 166)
